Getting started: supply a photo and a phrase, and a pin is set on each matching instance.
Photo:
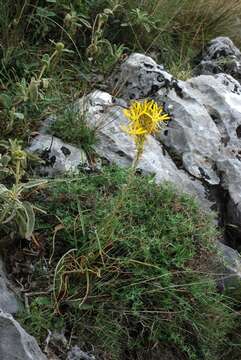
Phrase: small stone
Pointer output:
(59, 157)
(76, 354)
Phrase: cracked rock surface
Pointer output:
(191, 134)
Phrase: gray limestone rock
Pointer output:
(206, 112)
(58, 156)
(203, 135)
(8, 300)
(220, 95)
(205, 131)
(15, 343)
(138, 77)
(206, 123)
(230, 172)
(221, 47)
(191, 133)
(220, 56)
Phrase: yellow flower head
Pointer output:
(145, 119)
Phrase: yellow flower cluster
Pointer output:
(145, 119)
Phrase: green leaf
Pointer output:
(25, 219)
(30, 184)
(5, 159)
(5, 101)
(44, 12)
(4, 144)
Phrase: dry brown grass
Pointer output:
(189, 23)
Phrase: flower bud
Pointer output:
(19, 155)
(59, 46)
(67, 20)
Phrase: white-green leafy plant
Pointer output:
(13, 209)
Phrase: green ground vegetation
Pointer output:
(145, 282)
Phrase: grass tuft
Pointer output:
(71, 127)
(150, 285)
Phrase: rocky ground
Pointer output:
(199, 151)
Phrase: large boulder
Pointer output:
(220, 56)
(105, 114)
(202, 142)
(206, 133)
(15, 343)
(8, 300)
